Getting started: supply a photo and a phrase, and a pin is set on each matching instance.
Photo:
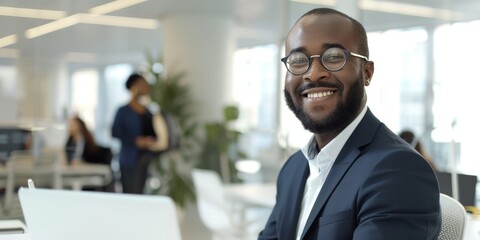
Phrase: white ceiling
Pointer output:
(257, 22)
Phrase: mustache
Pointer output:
(315, 84)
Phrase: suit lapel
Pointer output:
(362, 135)
(294, 189)
(337, 172)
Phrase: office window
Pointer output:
(114, 94)
(456, 94)
(7, 81)
(8, 94)
(254, 84)
(396, 94)
(85, 95)
(255, 92)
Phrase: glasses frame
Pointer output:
(310, 60)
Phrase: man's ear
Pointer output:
(368, 72)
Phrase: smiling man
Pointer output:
(354, 179)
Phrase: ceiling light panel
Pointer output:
(52, 26)
(119, 21)
(8, 40)
(31, 13)
(114, 6)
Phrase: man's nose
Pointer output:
(317, 71)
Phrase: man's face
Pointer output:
(325, 101)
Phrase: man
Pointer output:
(134, 128)
(355, 179)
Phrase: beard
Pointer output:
(342, 115)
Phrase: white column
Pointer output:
(202, 46)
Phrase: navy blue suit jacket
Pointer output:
(378, 188)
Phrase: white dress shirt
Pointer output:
(320, 163)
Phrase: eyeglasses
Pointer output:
(333, 59)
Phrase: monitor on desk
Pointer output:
(12, 139)
(79, 215)
(467, 185)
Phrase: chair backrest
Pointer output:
(454, 217)
(211, 202)
(103, 155)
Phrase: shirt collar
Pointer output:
(333, 148)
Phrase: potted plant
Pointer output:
(173, 167)
(220, 148)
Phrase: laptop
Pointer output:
(78, 215)
(467, 186)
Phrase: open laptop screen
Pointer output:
(75, 215)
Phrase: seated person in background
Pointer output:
(81, 146)
(410, 138)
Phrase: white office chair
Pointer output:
(216, 212)
(454, 217)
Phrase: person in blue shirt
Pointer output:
(133, 127)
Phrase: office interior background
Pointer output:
(59, 58)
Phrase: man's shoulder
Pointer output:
(296, 161)
(124, 108)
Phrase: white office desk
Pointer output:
(85, 174)
(472, 228)
(57, 175)
(75, 176)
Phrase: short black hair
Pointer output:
(360, 33)
(132, 79)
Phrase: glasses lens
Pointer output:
(297, 63)
(334, 59)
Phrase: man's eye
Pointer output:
(298, 61)
(332, 58)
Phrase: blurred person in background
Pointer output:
(134, 128)
(413, 140)
(80, 145)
